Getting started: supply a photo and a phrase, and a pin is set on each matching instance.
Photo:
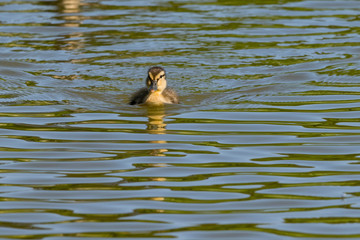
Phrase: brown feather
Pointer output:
(170, 95)
(139, 96)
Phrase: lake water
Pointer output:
(264, 145)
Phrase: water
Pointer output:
(265, 144)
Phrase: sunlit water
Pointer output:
(265, 144)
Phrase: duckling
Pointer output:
(156, 92)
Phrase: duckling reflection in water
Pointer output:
(156, 125)
(156, 91)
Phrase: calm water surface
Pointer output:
(265, 144)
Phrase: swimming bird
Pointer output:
(156, 91)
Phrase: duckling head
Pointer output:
(155, 80)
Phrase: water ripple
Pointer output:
(264, 144)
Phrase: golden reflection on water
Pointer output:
(69, 12)
(69, 6)
(156, 125)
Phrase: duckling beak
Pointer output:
(153, 87)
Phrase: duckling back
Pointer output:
(144, 96)
(170, 95)
(139, 97)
